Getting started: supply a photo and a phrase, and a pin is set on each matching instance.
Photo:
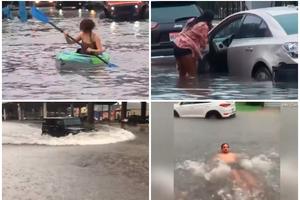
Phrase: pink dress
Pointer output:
(194, 38)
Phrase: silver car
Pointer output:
(261, 44)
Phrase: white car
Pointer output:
(260, 44)
(216, 109)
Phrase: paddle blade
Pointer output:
(39, 15)
(112, 65)
(22, 11)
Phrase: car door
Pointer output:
(194, 109)
(219, 41)
(248, 46)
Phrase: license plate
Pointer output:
(172, 36)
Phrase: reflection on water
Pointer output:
(17, 133)
(29, 66)
(166, 85)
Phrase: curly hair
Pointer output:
(87, 25)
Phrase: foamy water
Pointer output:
(215, 180)
(17, 133)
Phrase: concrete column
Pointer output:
(44, 110)
(109, 114)
(19, 111)
(72, 110)
(90, 112)
(143, 111)
(123, 110)
(4, 114)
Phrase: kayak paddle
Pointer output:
(42, 17)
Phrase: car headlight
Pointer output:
(291, 48)
(136, 6)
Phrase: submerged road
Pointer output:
(111, 171)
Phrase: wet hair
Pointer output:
(207, 16)
(87, 25)
(222, 145)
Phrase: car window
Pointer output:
(72, 122)
(167, 14)
(253, 27)
(229, 29)
(288, 22)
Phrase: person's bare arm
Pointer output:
(70, 41)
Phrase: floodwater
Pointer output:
(30, 70)
(254, 136)
(19, 133)
(60, 170)
(166, 85)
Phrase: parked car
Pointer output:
(125, 10)
(69, 4)
(44, 3)
(216, 109)
(167, 20)
(136, 119)
(260, 44)
(61, 126)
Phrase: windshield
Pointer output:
(72, 122)
(168, 14)
(289, 22)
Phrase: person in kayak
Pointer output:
(91, 42)
(191, 42)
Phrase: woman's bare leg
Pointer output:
(180, 67)
(187, 65)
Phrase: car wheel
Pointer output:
(176, 114)
(213, 115)
(262, 73)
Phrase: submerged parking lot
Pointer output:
(30, 69)
(167, 85)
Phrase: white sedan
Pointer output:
(260, 44)
(216, 109)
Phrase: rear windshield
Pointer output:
(289, 22)
(72, 122)
(167, 14)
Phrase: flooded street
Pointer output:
(72, 169)
(30, 70)
(198, 176)
(166, 85)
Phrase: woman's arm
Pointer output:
(70, 41)
(99, 46)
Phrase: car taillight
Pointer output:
(291, 48)
(154, 25)
(225, 105)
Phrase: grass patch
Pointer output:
(246, 107)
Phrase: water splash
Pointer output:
(215, 180)
(17, 133)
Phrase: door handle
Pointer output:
(249, 49)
